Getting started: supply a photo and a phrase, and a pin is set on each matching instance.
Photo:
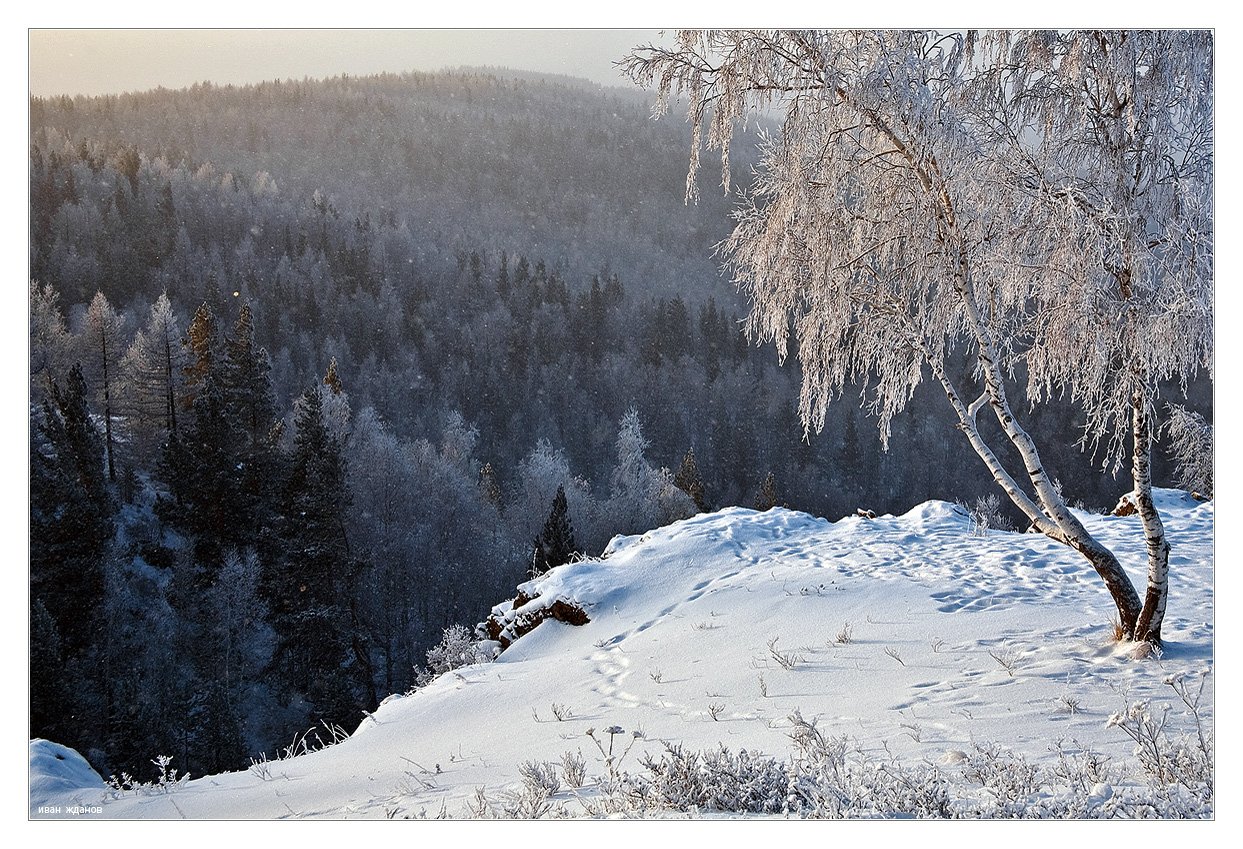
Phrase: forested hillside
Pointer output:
(311, 362)
(439, 163)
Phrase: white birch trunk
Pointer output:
(1148, 627)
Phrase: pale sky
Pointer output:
(68, 61)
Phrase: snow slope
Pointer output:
(954, 639)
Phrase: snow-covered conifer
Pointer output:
(555, 544)
(766, 497)
(151, 375)
(689, 481)
(102, 345)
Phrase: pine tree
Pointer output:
(488, 486)
(688, 480)
(103, 341)
(330, 378)
(766, 498)
(71, 513)
(151, 373)
(247, 381)
(307, 587)
(555, 544)
(201, 344)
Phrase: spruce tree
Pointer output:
(200, 344)
(151, 373)
(71, 513)
(103, 347)
(307, 587)
(203, 482)
(247, 387)
(688, 480)
(71, 527)
(220, 469)
(555, 544)
(488, 487)
(766, 498)
(247, 380)
(502, 277)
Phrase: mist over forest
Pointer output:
(360, 341)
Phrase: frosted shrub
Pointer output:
(1191, 443)
(1173, 767)
(717, 780)
(830, 779)
(456, 649)
(986, 515)
(540, 775)
(1082, 769)
(574, 768)
(1006, 776)
(166, 782)
(531, 802)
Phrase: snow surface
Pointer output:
(682, 619)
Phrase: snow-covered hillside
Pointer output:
(916, 639)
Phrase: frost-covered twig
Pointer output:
(786, 660)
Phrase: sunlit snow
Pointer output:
(912, 635)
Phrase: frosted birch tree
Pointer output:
(1106, 140)
(880, 232)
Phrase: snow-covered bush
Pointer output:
(1007, 777)
(986, 515)
(1191, 443)
(831, 779)
(1082, 769)
(166, 781)
(532, 800)
(717, 780)
(574, 768)
(541, 775)
(1175, 767)
(457, 648)
(828, 777)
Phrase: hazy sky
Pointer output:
(67, 61)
